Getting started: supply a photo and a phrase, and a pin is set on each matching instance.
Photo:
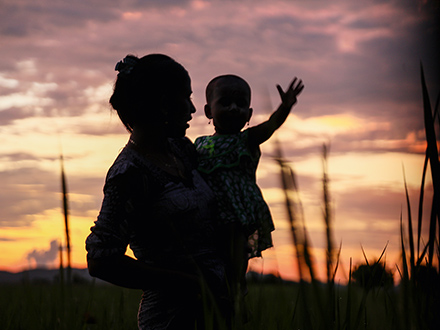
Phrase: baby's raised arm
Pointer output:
(262, 132)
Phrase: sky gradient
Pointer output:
(360, 63)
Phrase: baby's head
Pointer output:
(228, 99)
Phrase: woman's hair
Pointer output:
(143, 84)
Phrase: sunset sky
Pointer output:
(360, 63)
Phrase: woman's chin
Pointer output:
(177, 132)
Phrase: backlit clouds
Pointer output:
(359, 61)
(44, 257)
(25, 192)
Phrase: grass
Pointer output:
(420, 280)
(42, 306)
(271, 305)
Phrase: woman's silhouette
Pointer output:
(156, 202)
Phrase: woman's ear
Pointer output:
(250, 114)
(208, 113)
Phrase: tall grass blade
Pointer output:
(421, 197)
(410, 229)
(290, 193)
(422, 255)
(61, 268)
(432, 231)
(437, 114)
(405, 277)
(66, 218)
(347, 324)
(337, 262)
(296, 219)
(365, 256)
(422, 185)
(383, 252)
(301, 244)
(308, 259)
(432, 153)
(61, 273)
(327, 214)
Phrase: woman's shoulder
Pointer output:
(125, 165)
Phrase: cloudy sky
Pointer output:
(359, 60)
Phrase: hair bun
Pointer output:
(127, 64)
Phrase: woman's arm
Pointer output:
(131, 273)
(107, 243)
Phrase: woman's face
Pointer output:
(178, 110)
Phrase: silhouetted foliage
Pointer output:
(427, 279)
(373, 275)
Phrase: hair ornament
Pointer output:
(126, 65)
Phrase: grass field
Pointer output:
(279, 306)
(80, 306)
(87, 306)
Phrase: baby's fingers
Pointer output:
(293, 83)
(280, 91)
(300, 86)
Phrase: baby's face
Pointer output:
(230, 106)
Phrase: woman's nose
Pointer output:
(193, 108)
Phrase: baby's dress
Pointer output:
(229, 167)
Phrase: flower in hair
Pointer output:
(126, 65)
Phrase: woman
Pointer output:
(156, 202)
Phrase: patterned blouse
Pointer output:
(229, 166)
(166, 221)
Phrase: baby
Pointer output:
(228, 160)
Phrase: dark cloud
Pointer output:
(8, 116)
(370, 217)
(100, 130)
(20, 156)
(7, 239)
(267, 44)
(27, 192)
(30, 18)
(377, 141)
(91, 188)
(373, 239)
(36, 19)
(374, 206)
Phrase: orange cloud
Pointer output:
(131, 16)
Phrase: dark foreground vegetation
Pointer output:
(271, 305)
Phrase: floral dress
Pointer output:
(229, 167)
(168, 223)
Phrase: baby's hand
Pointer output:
(288, 98)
